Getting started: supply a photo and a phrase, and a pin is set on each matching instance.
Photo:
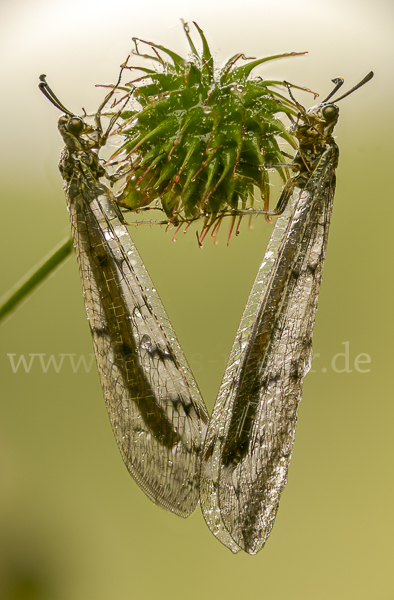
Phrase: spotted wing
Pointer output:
(155, 408)
(251, 433)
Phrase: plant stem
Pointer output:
(45, 268)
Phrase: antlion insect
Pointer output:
(155, 408)
(251, 432)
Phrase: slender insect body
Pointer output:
(252, 429)
(155, 408)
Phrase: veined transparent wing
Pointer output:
(251, 433)
(155, 408)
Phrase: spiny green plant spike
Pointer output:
(201, 140)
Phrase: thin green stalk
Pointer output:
(45, 268)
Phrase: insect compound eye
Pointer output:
(330, 112)
(75, 125)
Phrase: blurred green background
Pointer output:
(72, 522)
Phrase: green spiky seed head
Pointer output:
(201, 140)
